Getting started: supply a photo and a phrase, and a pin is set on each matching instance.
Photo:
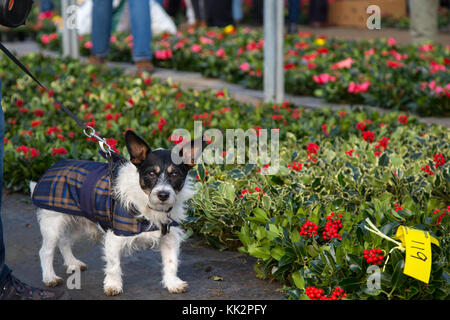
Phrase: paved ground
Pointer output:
(141, 271)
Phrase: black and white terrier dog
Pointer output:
(152, 185)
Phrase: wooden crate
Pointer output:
(352, 13)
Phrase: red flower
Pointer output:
(394, 64)
(245, 66)
(35, 123)
(358, 88)
(323, 78)
(53, 129)
(312, 148)
(162, 122)
(403, 119)
(34, 152)
(163, 54)
(368, 136)
(61, 151)
(19, 103)
(383, 143)
(220, 53)
(23, 110)
(342, 114)
(361, 126)
(350, 152)
(324, 129)
(196, 48)
(220, 94)
(23, 149)
(277, 117)
(347, 63)
(377, 153)
(38, 113)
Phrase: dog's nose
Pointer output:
(163, 195)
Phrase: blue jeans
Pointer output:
(140, 28)
(238, 14)
(46, 5)
(3, 268)
(294, 11)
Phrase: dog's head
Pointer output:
(159, 177)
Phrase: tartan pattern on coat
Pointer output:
(82, 188)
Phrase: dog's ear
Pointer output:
(137, 147)
(191, 151)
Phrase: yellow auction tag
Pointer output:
(418, 252)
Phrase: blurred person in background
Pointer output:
(423, 20)
(140, 29)
(318, 11)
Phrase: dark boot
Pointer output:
(14, 289)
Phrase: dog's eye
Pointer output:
(174, 174)
(147, 181)
(152, 174)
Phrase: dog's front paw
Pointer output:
(112, 291)
(56, 281)
(112, 286)
(176, 285)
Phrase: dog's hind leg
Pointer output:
(65, 246)
(52, 226)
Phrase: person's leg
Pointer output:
(46, 5)
(424, 24)
(4, 271)
(173, 7)
(219, 14)
(141, 29)
(101, 27)
(238, 14)
(293, 16)
(257, 12)
(318, 10)
(294, 11)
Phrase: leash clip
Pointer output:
(101, 141)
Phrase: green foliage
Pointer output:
(238, 206)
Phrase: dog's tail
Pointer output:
(32, 186)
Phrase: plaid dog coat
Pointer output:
(82, 188)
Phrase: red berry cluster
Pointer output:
(373, 256)
(397, 207)
(439, 160)
(332, 227)
(317, 294)
(309, 229)
(297, 166)
(441, 215)
(427, 169)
